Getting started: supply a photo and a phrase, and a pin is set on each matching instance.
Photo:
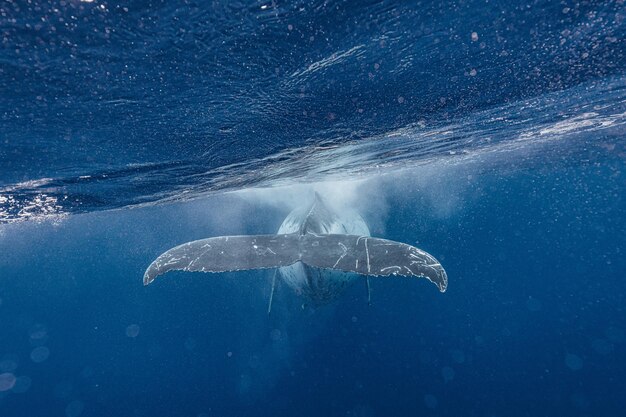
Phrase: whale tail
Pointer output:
(349, 253)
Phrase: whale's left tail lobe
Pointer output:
(227, 253)
(361, 254)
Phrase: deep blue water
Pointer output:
(491, 134)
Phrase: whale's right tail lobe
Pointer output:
(371, 256)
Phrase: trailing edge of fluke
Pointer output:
(363, 255)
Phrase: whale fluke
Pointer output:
(348, 253)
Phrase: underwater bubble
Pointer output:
(275, 335)
(154, 351)
(245, 383)
(7, 381)
(430, 401)
(457, 355)
(22, 384)
(132, 330)
(39, 354)
(190, 343)
(425, 357)
(74, 409)
(573, 362)
(614, 334)
(447, 373)
(580, 400)
(87, 372)
(38, 332)
(602, 346)
(533, 304)
(361, 410)
(63, 389)
(254, 362)
(8, 364)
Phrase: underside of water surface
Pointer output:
(110, 105)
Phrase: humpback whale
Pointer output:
(316, 251)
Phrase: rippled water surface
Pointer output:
(113, 104)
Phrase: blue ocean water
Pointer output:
(489, 133)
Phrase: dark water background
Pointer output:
(490, 134)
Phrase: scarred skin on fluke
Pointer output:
(318, 253)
